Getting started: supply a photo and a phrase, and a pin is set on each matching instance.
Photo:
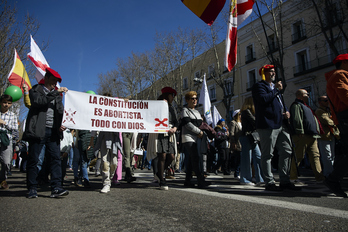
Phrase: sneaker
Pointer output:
(32, 194)
(273, 188)
(105, 189)
(297, 182)
(336, 188)
(4, 185)
(237, 177)
(289, 186)
(248, 183)
(59, 192)
(154, 180)
(163, 185)
(97, 173)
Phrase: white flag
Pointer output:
(205, 100)
(38, 59)
(216, 116)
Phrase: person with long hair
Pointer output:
(250, 150)
(166, 143)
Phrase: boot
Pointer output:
(129, 178)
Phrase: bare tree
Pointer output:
(111, 83)
(15, 34)
(329, 16)
(275, 52)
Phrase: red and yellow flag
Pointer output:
(207, 10)
(18, 76)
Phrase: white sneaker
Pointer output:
(105, 189)
(248, 183)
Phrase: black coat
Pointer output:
(35, 126)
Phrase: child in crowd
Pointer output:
(8, 123)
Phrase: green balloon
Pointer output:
(90, 92)
(15, 92)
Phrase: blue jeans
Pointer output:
(80, 159)
(249, 153)
(144, 161)
(41, 158)
(70, 157)
(327, 155)
(53, 150)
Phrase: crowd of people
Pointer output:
(263, 128)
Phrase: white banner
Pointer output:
(99, 113)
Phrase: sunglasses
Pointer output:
(193, 98)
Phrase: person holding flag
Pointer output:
(43, 127)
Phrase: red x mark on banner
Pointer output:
(161, 122)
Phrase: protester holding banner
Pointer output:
(43, 127)
(191, 120)
(166, 142)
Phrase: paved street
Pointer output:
(141, 206)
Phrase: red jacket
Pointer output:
(337, 91)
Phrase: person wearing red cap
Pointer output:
(43, 128)
(337, 92)
(270, 113)
(166, 143)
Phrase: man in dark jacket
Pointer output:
(270, 113)
(43, 127)
(305, 134)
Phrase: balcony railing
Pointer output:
(301, 35)
(250, 57)
(313, 65)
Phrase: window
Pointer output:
(332, 14)
(211, 71)
(302, 61)
(272, 43)
(229, 86)
(185, 83)
(251, 79)
(212, 92)
(298, 32)
(184, 103)
(250, 54)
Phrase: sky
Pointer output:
(87, 36)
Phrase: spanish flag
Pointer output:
(18, 76)
(207, 10)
